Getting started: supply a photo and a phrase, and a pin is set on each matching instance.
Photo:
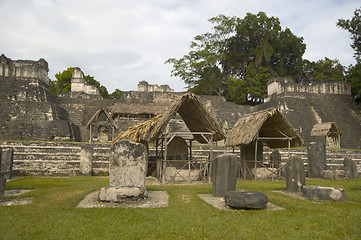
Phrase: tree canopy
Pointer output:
(239, 56)
(353, 74)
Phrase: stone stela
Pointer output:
(127, 172)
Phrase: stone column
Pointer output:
(224, 174)
(6, 161)
(295, 174)
(86, 160)
(2, 185)
(350, 168)
(316, 159)
(127, 172)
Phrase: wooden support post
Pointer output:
(210, 158)
(255, 161)
(164, 157)
(90, 133)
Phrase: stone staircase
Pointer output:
(55, 158)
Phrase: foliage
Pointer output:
(62, 83)
(54, 215)
(233, 60)
(116, 95)
(354, 77)
(353, 26)
(322, 70)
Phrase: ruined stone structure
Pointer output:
(78, 83)
(283, 85)
(28, 110)
(143, 86)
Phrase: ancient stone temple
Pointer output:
(28, 109)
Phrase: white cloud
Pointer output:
(123, 42)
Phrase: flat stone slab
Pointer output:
(16, 201)
(219, 203)
(156, 199)
(324, 193)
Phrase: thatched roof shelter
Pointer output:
(97, 114)
(326, 129)
(193, 114)
(268, 125)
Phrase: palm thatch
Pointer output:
(326, 129)
(139, 131)
(270, 124)
(96, 115)
(193, 114)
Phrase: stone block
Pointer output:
(295, 174)
(316, 159)
(2, 185)
(86, 161)
(334, 174)
(127, 171)
(350, 168)
(324, 193)
(6, 161)
(224, 174)
(246, 199)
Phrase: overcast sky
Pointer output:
(122, 42)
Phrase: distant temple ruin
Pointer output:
(281, 85)
(78, 83)
(143, 86)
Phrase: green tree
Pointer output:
(116, 95)
(323, 70)
(353, 26)
(218, 62)
(62, 83)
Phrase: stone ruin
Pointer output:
(143, 86)
(6, 168)
(127, 172)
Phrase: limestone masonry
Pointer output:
(28, 111)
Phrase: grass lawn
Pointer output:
(53, 214)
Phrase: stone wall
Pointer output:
(63, 158)
(283, 85)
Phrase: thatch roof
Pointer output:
(137, 109)
(269, 123)
(326, 129)
(193, 114)
(97, 114)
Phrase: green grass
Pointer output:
(53, 214)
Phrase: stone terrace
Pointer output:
(63, 158)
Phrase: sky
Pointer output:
(122, 42)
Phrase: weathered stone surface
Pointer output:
(224, 174)
(324, 193)
(2, 185)
(295, 174)
(127, 171)
(86, 161)
(316, 159)
(246, 199)
(119, 194)
(334, 174)
(6, 161)
(275, 158)
(350, 168)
